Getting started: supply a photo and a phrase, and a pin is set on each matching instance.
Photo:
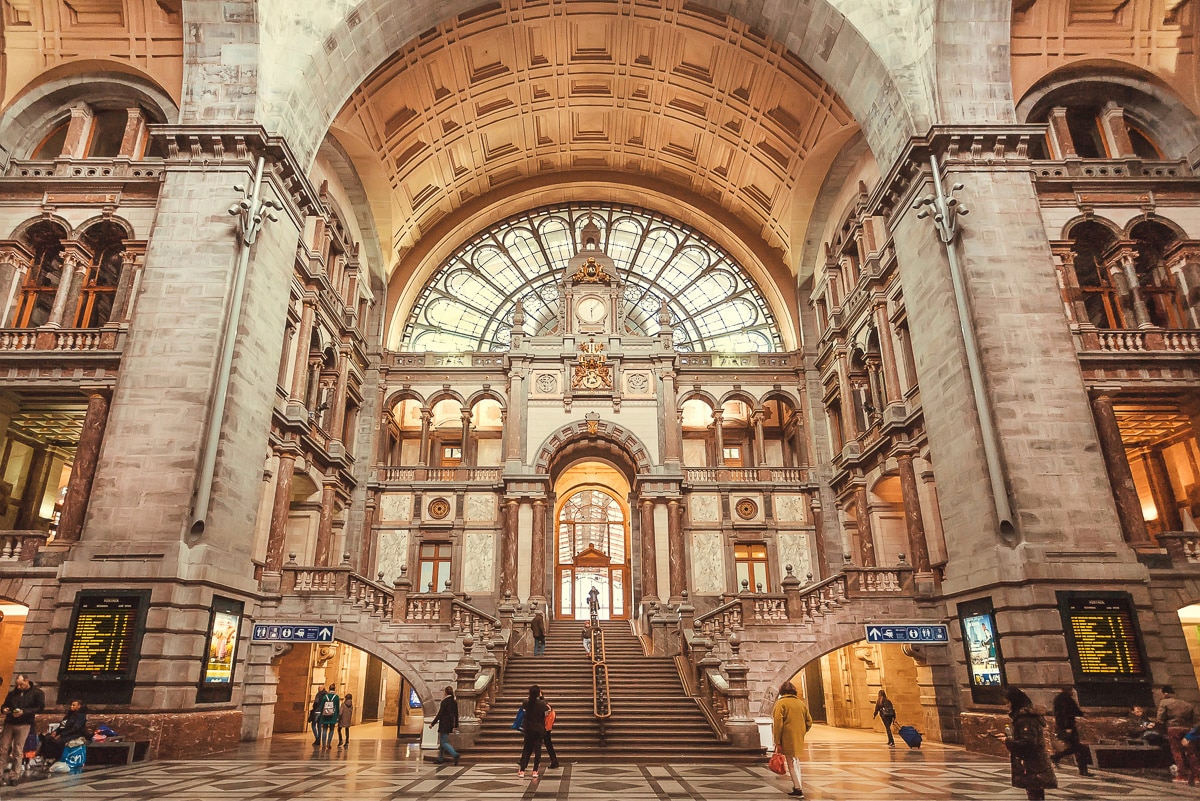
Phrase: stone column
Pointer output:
(862, 523)
(303, 346)
(799, 450)
(1069, 281)
(133, 140)
(508, 548)
(1185, 267)
(677, 557)
(515, 425)
(1129, 506)
(341, 388)
(131, 268)
(79, 129)
(74, 269)
(537, 554)
(672, 433)
(468, 455)
(324, 551)
(822, 568)
(423, 454)
(887, 353)
(1160, 488)
(1112, 123)
(918, 548)
(649, 552)
(1123, 269)
(1062, 146)
(83, 471)
(760, 445)
(718, 418)
(15, 261)
(846, 394)
(280, 508)
(35, 488)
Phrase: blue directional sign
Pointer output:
(909, 633)
(278, 632)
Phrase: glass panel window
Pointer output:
(42, 280)
(435, 566)
(451, 455)
(751, 563)
(733, 456)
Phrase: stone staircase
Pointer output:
(653, 719)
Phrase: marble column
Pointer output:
(862, 522)
(35, 488)
(918, 547)
(1124, 272)
(849, 404)
(673, 433)
(1069, 281)
(280, 507)
(515, 424)
(718, 431)
(324, 554)
(887, 353)
(423, 454)
(676, 555)
(132, 258)
(760, 445)
(1129, 506)
(303, 346)
(821, 571)
(649, 552)
(1161, 489)
(799, 450)
(508, 549)
(1185, 267)
(337, 425)
(537, 553)
(74, 270)
(83, 471)
(468, 454)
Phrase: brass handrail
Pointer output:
(601, 695)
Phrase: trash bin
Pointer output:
(765, 737)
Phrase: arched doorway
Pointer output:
(592, 541)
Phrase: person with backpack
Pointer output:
(446, 721)
(331, 706)
(345, 720)
(887, 714)
(534, 729)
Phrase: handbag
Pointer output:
(519, 721)
(778, 764)
(550, 717)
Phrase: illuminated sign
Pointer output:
(981, 643)
(1105, 647)
(414, 700)
(220, 651)
(104, 637)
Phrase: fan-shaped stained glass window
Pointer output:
(591, 519)
(469, 303)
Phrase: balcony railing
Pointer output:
(1112, 168)
(20, 547)
(1153, 340)
(716, 475)
(74, 340)
(386, 474)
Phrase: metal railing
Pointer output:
(601, 694)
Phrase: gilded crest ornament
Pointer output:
(591, 273)
(592, 370)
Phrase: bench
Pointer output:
(1130, 756)
(122, 752)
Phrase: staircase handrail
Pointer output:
(728, 616)
(465, 617)
(601, 690)
(373, 596)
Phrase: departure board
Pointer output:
(104, 637)
(1104, 636)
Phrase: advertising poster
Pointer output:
(218, 668)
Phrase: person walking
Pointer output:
(538, 629)
(587, 637)
(1175, 717)
(446, 721)
(1066, 711)
(886, 713)
(790, 723)
(330, 707)
(345, 720)
(20, 707)
(314, 716)
(548, 739)
(535, 731)
(1026, 742)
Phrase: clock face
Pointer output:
(590, 309)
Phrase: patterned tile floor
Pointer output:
(383, 770)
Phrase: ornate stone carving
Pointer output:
(439, 508)
(592, 370)
(591, 273)
(546, 384)
(746, 508)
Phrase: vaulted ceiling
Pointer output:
(691, 100)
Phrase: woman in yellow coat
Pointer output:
(791, 723)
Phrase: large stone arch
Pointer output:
(364, 641)
(601, 431)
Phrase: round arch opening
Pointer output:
(592, 541)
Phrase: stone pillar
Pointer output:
(468, 454)
(672, 433)
(83, 471)
(846, 394)
(515, 426)
(1062, 146)
(537, 554)
(423, 454)
(1160, 488)
(887, 353)
(75, 264)
(799, 451)
(1129, 506)
(823, 570)
(760, 445)
(1069, 281)
(718, 419)
(918, 548)
(676, 555)
(79, 129)
(649, 552)
(324, 550)
(508, 548)
(1185, 267)
(341, 388)
(862, 523)
(303, 346)
(280, 508)
(35, 488)
(741, 728)
(1123, 269)
(14, 262)
(132, 258)
(1112, 123)
(134, 139)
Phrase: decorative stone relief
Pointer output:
(637, 384)
(704, 508)
(793, 549)
(791, 508)
(395, 506)
(546, 384)
(479, 561)
(391, 554)
(708, 563)
(480, 508)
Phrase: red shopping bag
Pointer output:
(778, 764)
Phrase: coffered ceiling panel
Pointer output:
(677, 94)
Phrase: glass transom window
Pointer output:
(469, 303)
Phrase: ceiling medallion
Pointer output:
(439, 508)
(746, 509)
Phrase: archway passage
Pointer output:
(592, 542)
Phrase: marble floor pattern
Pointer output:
(383, 771)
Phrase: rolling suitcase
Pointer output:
(910, 736)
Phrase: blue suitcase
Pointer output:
(910, 736)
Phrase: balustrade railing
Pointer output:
(389, 474)
(1182, 546)
(1154, 340)
(72, 340)
(779, 475)
(20, 547)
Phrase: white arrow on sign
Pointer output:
(326, 633)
